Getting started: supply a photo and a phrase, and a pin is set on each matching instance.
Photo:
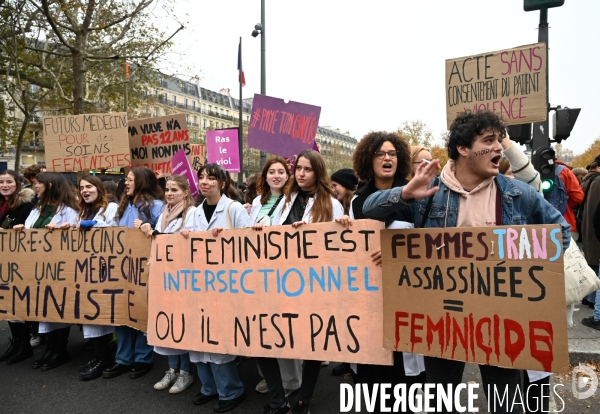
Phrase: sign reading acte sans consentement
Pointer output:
(511, 83)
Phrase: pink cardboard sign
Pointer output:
(222, 148)
(180, 165)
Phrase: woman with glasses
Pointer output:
(383, 160)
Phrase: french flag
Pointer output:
(240, 69)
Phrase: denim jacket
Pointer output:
(521, 205)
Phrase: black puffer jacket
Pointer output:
(19, 214)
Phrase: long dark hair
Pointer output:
(101, 201)
(222, 177)
(13, 201)
(57, 192)
(145, 191)
(322, 207)
(262, 187)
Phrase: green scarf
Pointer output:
(45, 217)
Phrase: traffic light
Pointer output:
(531, 5)
(519, 133)
(563, 121)
(544, 161)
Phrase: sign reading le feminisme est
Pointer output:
(489, 295)
(307, 293)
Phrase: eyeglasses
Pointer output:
(381, 154)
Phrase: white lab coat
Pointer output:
(239, 219)
(175, 227)
(64, 215)
(283, 211)
(103, 220)
(256, 206)
(414, 364)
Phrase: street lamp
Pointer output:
(259, 28)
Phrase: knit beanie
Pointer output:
(346, 177)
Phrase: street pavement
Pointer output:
(24, 390)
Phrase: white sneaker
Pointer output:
(325, 363)
(261, 387)
(184, 380)
(35, 341)
(169, 378)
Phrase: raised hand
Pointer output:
(418, 186)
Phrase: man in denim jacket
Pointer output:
(470, 193)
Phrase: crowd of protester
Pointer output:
(390, 181)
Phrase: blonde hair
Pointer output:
(415, 150)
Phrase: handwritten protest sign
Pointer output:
(490, 295)
(154, 141)
(96, 277)
(86, 142)
(510, 83)
(181, 166)
(222, 148)
(197, 156)
(281, 128)
(306, 293)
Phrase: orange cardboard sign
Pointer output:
(86, 142)
(489, 295)
(96, 277)
(154, 141)
(306, 293)
(511, 83)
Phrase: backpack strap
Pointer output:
(275, 205)
(229, 224)
(498, 207)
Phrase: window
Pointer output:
(186, 102)
(210, 109)
(166, 112)
(174, 100)
(146, 109)
(194, 105)
(203, 108)
(155, 111)
(221, 111)
(187, 118)
(194, 119)
(204, 123)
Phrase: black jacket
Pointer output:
(19, 214)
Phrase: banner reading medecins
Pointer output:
(306, 293)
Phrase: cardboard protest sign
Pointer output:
(222, 147)
(197, 156)
(489, 295)
(154, 141)
(281, 128)
(510, 83)
(306, 293)
(181, 166)
(97, 277)
(86, 142)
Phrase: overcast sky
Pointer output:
(373, 65)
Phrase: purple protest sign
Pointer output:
(281, 128)
(222, 148)
(180, 165)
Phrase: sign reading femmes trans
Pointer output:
(511, 83)
(154, 141)
(86, 142)
(489, 295)
(307, 293)
(282, 128)
(97, 277)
